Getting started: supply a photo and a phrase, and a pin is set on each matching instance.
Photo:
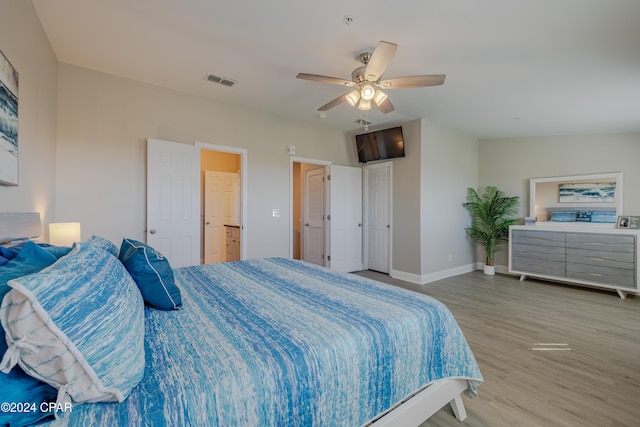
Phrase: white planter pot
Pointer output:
(490, 270)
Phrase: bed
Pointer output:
(266, 342)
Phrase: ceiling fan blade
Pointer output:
(413, 81)
(329, 105)
(379, 61)
(325, 79)
(385, 106)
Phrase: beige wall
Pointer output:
(104, 122)
(509, 163)
(406, 203)
(449, 161)
(23, 42)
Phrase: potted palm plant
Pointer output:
(491, 215)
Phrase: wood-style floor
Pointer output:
(596, 383)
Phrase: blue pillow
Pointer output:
(563, 216)
(56, 251)
(83, 313)
(17, 386)
(101, 242)
(31, 258)
(9, 252)
(583, 216)
(152, 273)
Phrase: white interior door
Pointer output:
(221, 206)
(313, 216)
(173, 201)
(378, 216)
(345, 188)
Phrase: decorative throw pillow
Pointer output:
(10, 252)
(78, 326)
(101, 242)
(583, 216)
(152, 273)
(563, 216)
(16, 386)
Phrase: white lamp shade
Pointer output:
(365, 104)
(353, 97)
(379, 97)
(367, 92)
(64, 233)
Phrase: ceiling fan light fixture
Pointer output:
(353, 97)
(367, 92)
(365, 104)
(380, 97)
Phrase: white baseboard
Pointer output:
(439, 275)
(431, 277)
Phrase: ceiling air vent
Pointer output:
(362, 122)
(220, 80)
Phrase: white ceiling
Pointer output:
(514, 68)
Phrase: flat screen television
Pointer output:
(380, 145)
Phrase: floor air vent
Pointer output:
(220, 80)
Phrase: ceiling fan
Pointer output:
(366, 83)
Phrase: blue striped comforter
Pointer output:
(277, 342)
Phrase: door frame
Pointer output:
(365, 203)
(243, 189)
(324, 164)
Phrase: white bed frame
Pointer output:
(422, 405)
(413, 411)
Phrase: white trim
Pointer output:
(432, 277)
(244, 173)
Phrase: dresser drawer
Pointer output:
(605, 275)
(625, 260)
(549, 253)
(538, 238)
(233, 233)
(602, 242)
(538, 266)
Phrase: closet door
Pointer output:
(345, 222)
(378, 216)
(173, 201)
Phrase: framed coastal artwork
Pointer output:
(8, 122)
(602, 192)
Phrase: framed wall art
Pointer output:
(587, 192)
(8, 122)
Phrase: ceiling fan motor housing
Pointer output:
(358, 75)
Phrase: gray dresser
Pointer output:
(604, 258)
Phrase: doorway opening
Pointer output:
(308, 206)
(222, 203)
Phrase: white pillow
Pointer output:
(77, 325)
